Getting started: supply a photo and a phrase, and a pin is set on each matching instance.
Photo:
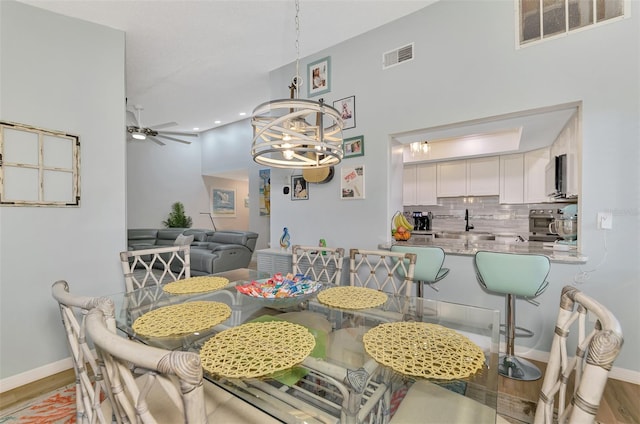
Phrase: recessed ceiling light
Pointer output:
(217, 122)
(196, 128)
(243, 113)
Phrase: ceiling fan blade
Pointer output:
(173, 139)
(155, 140)
(165, 125)
(186, 134)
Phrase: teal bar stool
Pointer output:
(514, 275)
(428, 269)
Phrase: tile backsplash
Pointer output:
(485, 214)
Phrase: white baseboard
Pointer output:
(617, 373)
(35, 374)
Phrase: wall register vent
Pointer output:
(397, 56)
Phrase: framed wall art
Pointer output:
(38, 167)
(353, 147)
(299, 188)
(347, 109)
(223, 202)
(265, 192)
(352, 182)
(319, 77)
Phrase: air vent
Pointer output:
(397, 56)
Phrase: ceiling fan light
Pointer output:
(139, 135)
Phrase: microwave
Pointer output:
(555, 177)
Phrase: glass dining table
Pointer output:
(339, 382)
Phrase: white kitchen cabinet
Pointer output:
(452, 178)
(409, 182)
(483, 176)
(471, 177)
(512, 178)
(568, 142)
(535, 163)
(419, 185)
(426, 187)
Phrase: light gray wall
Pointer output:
(466, 67)
(227, 149)
(158, 176)
(63, 74)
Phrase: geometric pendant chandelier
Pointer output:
(296, 133)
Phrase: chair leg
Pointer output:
(511, 366)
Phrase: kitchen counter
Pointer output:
(464, 248)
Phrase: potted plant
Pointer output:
(177, 218)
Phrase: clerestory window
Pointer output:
(543, 19)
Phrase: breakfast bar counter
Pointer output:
(469, 248)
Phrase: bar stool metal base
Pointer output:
(518, 369)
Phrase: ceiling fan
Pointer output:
(137, 131)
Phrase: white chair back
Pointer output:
(91, 380)
(382, 270)
(595, 353)
(319, 263)
(136, 399)
(155, 266)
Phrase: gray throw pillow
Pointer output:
(183, 240)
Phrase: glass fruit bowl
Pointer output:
(279, 291)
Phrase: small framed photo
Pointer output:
(223, 203)
(352, 182)
(299, 188)
(347, 109)
(319, 77)
(353, 147)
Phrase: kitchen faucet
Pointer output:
(467, 227)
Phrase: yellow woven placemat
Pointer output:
(195, 285)
(423, 350)
(256, 349)
(185, 318)
(349, 297)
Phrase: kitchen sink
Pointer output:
(464, 235)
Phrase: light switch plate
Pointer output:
(605, 220)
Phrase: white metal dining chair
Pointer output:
(155, 266)
(319, 263)
(170, 388)
(596, 350)
(380, 270)
(91, 382)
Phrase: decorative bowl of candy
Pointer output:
(281, 291)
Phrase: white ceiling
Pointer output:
(540, 127)
(195, 62)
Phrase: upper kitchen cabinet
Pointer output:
(419, 185)
(512, 178)
(568, 142)
(483, 176)
(535, 163)
(522, 177)
(471, 177)
(452, 179)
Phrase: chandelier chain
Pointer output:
(297, 77)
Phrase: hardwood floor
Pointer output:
(516, 399)
(620, 401)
